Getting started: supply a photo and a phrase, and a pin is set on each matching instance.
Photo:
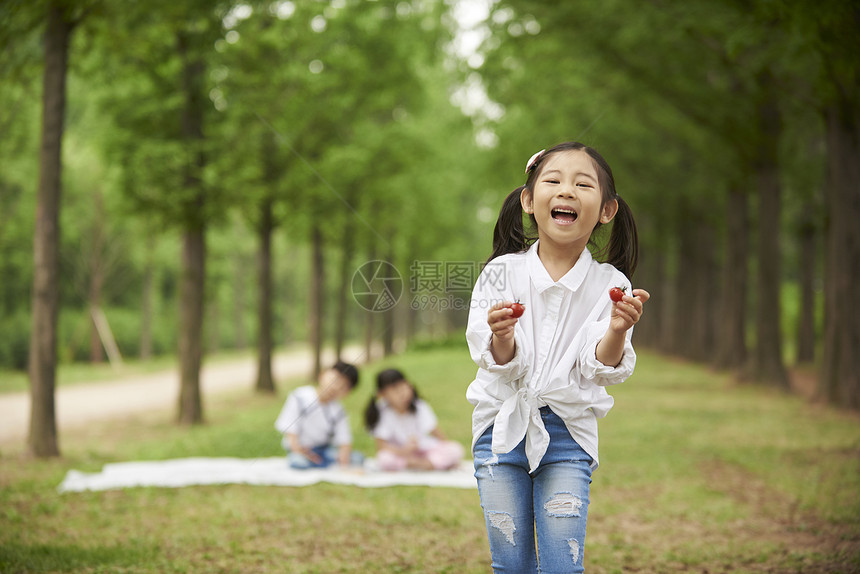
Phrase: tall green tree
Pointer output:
(261, 75)
(833, 30)
(158, 97)
(60, 21)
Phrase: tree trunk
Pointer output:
(683, 342)
(701, 313)
(272, 171)
(191, 326)
(346, 271)
(665, 289)
(648, 275)
(807, 274)
(265, 381)
(840, 375)
(288, 300)
(240, 274)
(146, 302)
(368, 334)
(669, 318)
(388, 321)
(192, 289)
(96, 267)
(370, 318)
(42, 439)
(731, 332)
(317, 297)
(769, 366)
(652, 281)
(411, 323)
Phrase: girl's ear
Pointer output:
(526, 201)
(610, 208)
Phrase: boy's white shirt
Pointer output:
(313, 426)
(555, 361)
(400, 429)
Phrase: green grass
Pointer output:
(697, 474)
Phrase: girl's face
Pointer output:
(566, 201)
(399, 395)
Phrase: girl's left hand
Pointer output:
(628, 311)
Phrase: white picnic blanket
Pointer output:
(272, 471)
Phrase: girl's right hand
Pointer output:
(501, 322)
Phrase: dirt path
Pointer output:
(82, 403)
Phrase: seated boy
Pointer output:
(314, 424)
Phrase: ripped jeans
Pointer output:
(552, 502)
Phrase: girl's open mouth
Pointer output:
(563, 215)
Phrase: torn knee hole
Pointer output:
(504, 523)
(492, 462)
(563, 505)
(574, 549)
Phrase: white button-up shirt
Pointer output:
(315, 423)
(555, 361)
(401, 429)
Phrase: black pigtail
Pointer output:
(623, 249)
(509, 235)
(371, 414)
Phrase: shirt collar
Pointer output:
(571, 280)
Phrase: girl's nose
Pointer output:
(566, 191)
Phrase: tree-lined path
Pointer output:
(82, 403)
(215, 184)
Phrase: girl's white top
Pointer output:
(401, 429)
(555, 361)
(315, 423)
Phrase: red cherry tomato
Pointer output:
(617, 293)
(518, 310)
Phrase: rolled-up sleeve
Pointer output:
(593, 370)
(479, 335)
(512, 369)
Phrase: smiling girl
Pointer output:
(539, 389)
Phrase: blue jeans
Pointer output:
(327, 453)
(552, 502)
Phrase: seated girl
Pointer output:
(406, 429)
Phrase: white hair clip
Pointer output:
(533, 160)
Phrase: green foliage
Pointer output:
(315, 93)
(15, 344)
(149, 110)
(18, 156)
(125, 324)
(340, 114)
